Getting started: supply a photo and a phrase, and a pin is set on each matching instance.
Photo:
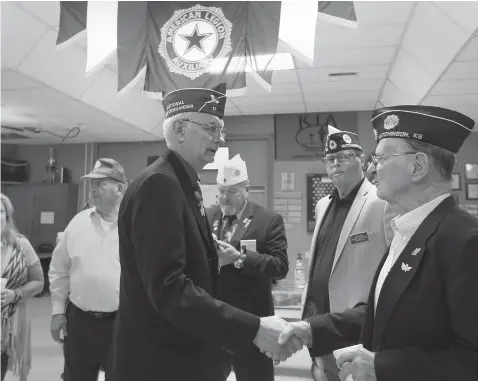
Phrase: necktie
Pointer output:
(227, 230)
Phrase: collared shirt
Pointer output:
(85, 265)
(404, 227)
(317, 301)
(235, 222)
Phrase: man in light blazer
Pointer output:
(351, 235)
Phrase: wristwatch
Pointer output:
(238, 263)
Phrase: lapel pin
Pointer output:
(246, 222)
(405, 267)
(215, 225)
(416, 251)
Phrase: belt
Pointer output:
(101, 315)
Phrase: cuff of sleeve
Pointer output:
(310, 339)
(58, 308)
(250, 260)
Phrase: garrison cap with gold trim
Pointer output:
(438, 126)
(340, 141)
(233, 171)
(208, 101)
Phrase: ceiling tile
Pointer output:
(437, 44)
(12, 80)
(354, 57)
(365, 36)
(284, 76)
(382, 12)
(322, 74)
(63, 69)
(456, 87)
(47, 11)
(470, 52)
(20, 33)
(462, 70)
(342, 86)
(463, 13)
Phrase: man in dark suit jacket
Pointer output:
(253, 253)
(168, 325)
(422, 312)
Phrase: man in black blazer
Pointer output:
(253, 252)
(169, 326)
(422, 313)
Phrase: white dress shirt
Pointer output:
(85, 265)
(404, 227)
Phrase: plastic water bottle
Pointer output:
(299, 272)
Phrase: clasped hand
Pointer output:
(227, 253)
(279, 340)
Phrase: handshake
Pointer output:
(279, 340)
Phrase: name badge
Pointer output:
(359, 237)
(249, 244)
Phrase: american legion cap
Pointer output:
(438, 126)
(208, 101)
(107, 168)
(340, 141)
(233, 171)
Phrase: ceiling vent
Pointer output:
(344, 74)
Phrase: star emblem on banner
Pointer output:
(195, 39)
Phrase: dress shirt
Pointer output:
(404, 227)
(317, 299)
(85, 265)
(235, 222)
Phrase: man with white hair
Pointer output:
(169, 325)
(351, 234)
(252, 253)
(422, 312)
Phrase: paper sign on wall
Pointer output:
(47, 218)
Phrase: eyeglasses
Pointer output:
(211, 129)
(381, 159)
(330, 160)
(229, 192)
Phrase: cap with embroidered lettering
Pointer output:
(438, 126)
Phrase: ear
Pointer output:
(362, 160)
(179, 128)
(420, 166)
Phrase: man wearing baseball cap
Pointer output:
(252, 253)
(351, 234)
(84, 277)
(420, 322)
(169, 323)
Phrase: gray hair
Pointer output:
(442, 160)
(168, 124)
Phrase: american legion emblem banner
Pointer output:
(176, 44)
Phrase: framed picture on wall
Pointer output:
(471, 172)
(472, 191)
(455, 181)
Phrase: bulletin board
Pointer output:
(316, 189)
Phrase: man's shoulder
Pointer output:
(159, 174)
(264, 212)
(80, 219)
(213, 210)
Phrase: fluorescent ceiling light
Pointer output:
(278, 61)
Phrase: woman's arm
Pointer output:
(35, 271)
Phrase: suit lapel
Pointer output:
(323, 206)
(368, 325)
(215, 221)
(404, 270)
(192, 192)
(349, 223)
(243, 224)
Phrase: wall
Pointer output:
(9, 151)
(133, 157)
